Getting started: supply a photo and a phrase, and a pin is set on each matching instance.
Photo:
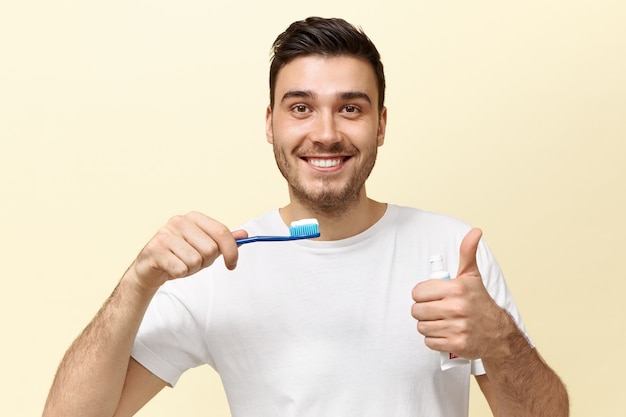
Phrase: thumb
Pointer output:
(467, 255)
(239, 234)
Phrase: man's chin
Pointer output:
(328, 200)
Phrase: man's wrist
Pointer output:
(509, 343)
(132, 282)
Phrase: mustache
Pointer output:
(326, 150)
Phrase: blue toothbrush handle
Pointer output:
(273, 238)
(262, 239)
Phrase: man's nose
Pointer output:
(325, 129)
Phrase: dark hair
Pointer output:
(327, 37)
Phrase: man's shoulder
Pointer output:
(427, 218)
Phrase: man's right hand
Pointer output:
(97, 376)
(185, 245)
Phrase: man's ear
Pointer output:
(269, 131)
(382, 126)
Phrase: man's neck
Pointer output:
(337, 225)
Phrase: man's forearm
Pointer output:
(91, 376)
(522, 383)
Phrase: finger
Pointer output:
(467, 255)
(240, 234)
(431, 290)
(163, 258)
(183, 259)
(436, 343)
(221, 237)
(190, 243)
(434, 328)
(428, 311)
(237, 234)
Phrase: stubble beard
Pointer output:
(325, 196)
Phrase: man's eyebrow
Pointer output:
(352, 95)
(298, 94)
(347, 95)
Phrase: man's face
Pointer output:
(325, 128)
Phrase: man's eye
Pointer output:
(300, 108)
(351, 109)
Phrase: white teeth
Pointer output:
(324, 163)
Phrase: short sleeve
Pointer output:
(171, 336)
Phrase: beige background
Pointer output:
(116, 115)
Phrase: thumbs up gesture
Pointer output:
(459, 315)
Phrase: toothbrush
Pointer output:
(299, 229)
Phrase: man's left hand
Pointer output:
(459, 315)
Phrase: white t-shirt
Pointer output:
(319, 328)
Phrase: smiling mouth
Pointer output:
(324, 162)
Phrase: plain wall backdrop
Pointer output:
(115, 116)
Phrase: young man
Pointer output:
(315, 327)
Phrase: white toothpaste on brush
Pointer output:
(438, 271)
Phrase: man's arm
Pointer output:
(460, 316)
(140, 386)
(92, 375)
(97, 376)
(512, 392)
